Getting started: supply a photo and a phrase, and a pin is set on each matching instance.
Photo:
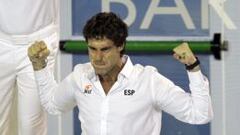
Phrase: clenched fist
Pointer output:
(38, 53)
(185, 55)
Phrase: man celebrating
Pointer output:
(22, 22)
(114, 96)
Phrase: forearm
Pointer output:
(194, 107)
(46, 85)
(55, 98)
(200, 101)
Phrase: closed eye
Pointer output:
(105, 49)
(91, 48)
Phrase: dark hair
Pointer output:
(106, 25)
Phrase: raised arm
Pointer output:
(55, 98)
(194, 107)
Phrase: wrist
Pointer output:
(194, 65)
(38, 65)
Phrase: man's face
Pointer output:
(104, 56)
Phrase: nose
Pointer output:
(98, 55)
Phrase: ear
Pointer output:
(120, 48)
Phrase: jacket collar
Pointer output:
(125, 72)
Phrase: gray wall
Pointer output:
(224, 74)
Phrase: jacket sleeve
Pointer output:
(55, 98)
(194, 107)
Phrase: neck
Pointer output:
(112, 75)
(110, 78)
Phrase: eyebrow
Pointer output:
(106, 48)
(91, 47)
(102, 49)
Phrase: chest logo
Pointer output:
(88, 89)
(129, 92)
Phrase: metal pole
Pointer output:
(145, 47)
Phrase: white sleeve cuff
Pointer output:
(42, 75)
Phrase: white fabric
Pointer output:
(18, 17)
(22, 22)
(133, 105)
(16, 71)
